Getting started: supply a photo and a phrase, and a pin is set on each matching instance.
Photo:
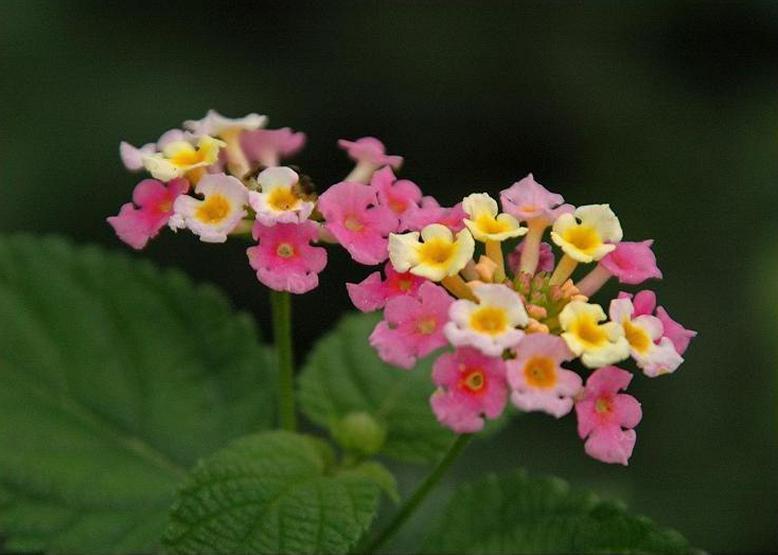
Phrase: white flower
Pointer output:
(484, 222)
(641, 333)
(439, 256)
(180, 157)
(278, 201)
(215, 124)
(597, 344)
(489, 325)
(589, 233)
(220, 211)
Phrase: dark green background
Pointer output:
(668, 111)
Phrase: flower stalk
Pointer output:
(282, 335)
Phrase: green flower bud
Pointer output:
(359, 432)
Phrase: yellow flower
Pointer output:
(588, 234)
(439, 256)
(484, 222)
(179, 157)
(597, 344)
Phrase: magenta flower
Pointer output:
(270, 146)
(528, 200)
(413, 326)
(471, 387)
(401, 196)
(372, 293)
(357, 221)
(546, 259)
(538, 381)
(632, 262)
(284, 258)
(135, 226)
(606, 417)
(430, 212)
(371, 150)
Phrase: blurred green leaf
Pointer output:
(271, 493)
(343, 375)
(114, 379)
(518, 514)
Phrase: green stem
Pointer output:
(282, 336)
(420, 494)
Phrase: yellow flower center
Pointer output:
(540, 372)
(589, 332)
(490, 320)
(474, 381)
(282, 199)
(213, 209)
(436, 251)
(352, 223)
(426, 326)
(404, 284)
(602, 405)
(583, 237)
(285, 250)
(186, 157)
(637, 337)
(491, 225)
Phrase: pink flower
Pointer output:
(401, 196)
(284, 259)
(372, 293)
(606, 417)
(430, 212)
(269, 146)
(356, 220)
(645, 303)
(546, 258)
(537, 378)
(679, 335)
(370, 150)
(135, 226)
(471, 386)
(632, 262)
(413, 326)
(528, 200)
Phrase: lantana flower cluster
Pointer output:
(481, 282)
(480, 279)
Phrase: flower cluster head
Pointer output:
(519, 323)
(222, 178)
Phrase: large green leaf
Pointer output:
(274, 492)
(114, 379)
(343, 376)
(518, 514)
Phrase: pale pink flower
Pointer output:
(284, 259)
(471, 387)
(412, 326)
(606, 417)
(401, 196)
(546, 260)
(357, 221)
(370, 150)
(645, 303)
(221, 210)
(372, 293)
(270, 146)
(430, 212)
(679, 335)
(528, 200)
(538, 380)
(154, 201)
(632, 262)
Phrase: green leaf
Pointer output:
(381, 476)
(518, 514)
(114, 379)
(271, 493)
(343, 375)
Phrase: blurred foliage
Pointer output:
(667, 110)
